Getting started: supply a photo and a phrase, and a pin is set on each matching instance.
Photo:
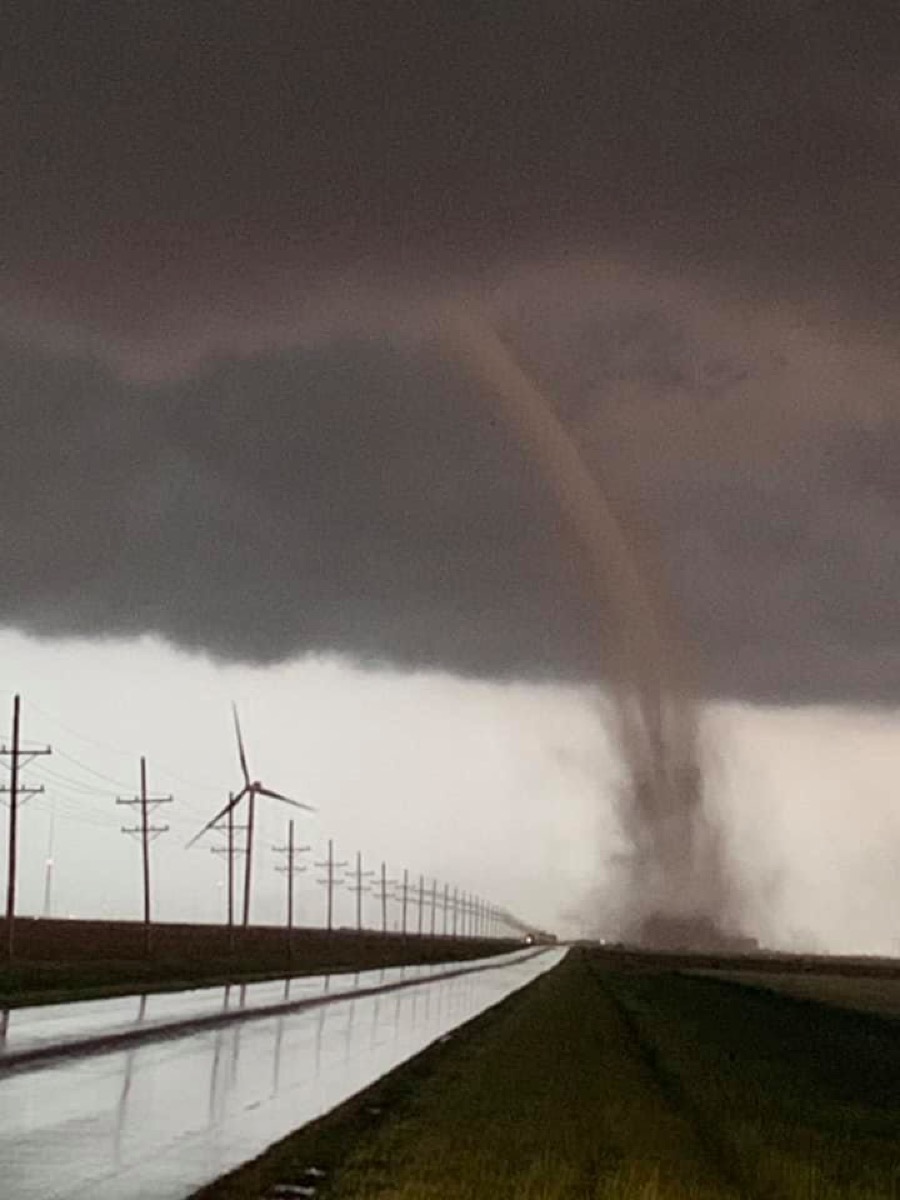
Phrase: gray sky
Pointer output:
(507, 790)
(232, 441)
(490, 788)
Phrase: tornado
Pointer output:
(677, 887)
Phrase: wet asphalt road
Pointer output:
(155, 1121)
(23, 1030)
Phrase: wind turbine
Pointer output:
(251, 789)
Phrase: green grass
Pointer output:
(803, 1100)
(873, 994)
(597, 1082)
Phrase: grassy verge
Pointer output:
(632, 1085)
(802, 1100)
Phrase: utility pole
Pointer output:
(446, 906)
(231, 852)
(19, 758)
(145, 830)
(433, 903)
(384, 895)
(290, 869)
(455, 909)
(421, 904)
(359, 875)
(330, 882)
(404, 893)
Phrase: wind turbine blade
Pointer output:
(218, 817)
(261, 791)
(240, 742)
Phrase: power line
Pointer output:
(78, 785)
(103, 745)
(71, 811)
(87, 789)
(90, 770)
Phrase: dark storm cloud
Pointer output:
(359, 498)
(160, 158)
(192, 183)
(332, 499)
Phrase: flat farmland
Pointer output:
(878, 994)
(58, 960)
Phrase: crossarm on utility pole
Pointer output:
(19, 758)
(146, 832)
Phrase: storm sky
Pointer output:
(226, 240)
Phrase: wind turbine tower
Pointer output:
(251, 788)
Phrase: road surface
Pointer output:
(155, 1121)
(24, 1031)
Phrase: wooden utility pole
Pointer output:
(383, 897)
(146, 831)
(290, 869)
(330, 883)
(421, 904)
(455, 909)
(231, 852)
(433, 904)
(404, 902)
(15, 791)
(446, 906)
(359, 887)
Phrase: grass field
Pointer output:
(874, 995)
(603, 1082)
(70, 960)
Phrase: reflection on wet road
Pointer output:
(28, 1029)
(155, 1121)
